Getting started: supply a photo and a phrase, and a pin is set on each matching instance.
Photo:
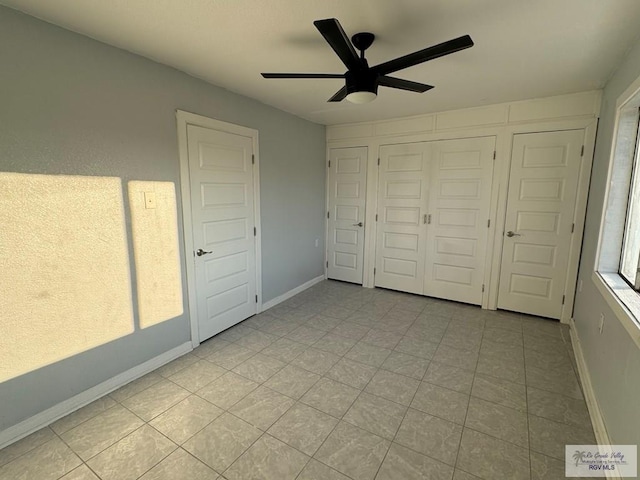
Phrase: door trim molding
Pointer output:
(183, 120)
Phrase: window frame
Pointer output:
(623, 299)
(634, 183)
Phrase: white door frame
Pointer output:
(504, 157)
(184, 119)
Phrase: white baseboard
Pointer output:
(291, 293)
(50, 415)
(597, 420)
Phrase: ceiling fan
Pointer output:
(361, 80)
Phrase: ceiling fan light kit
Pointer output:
(362, 81)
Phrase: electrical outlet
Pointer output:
(580, 286)
(601, 327)
(317, 242)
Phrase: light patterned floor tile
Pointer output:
(186, 418)
(156, 399)
(180, 466)
(304, 428)
(25, 445)
(48, 461)
(319, 471)
(132, 456)
(268, 459)
(197, 375)
(453, 378)
(330, 397)
(292, 381)
(490, 458)
(405, 464)
(227, 390)
(259, 368)
(430, 436)
(376, 415)
(394, 387)
(81, 473)
(82, 415)
(94, 435)
(222, 441)
(441, 402)
(262, 407)
(353, 451)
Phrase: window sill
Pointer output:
(623, 300)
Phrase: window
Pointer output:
(617, 275)
(630, 255)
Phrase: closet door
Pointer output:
(347, 197)
(403, 188)
(458, 215)
(543, 183)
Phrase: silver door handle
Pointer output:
(200, 252)
(359, 224)
(513, 234)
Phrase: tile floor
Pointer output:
(339, 382)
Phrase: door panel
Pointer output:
(459, 206)
(540, 210)
(222, 203)
(402, 205)
(347, 196)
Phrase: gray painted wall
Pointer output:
(613, 359)
(71, 105)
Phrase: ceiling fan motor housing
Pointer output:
(361, 81)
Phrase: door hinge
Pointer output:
(429, 219)
(378, 161)
(376, 217)
(582, 151)
(494, 154)
(483, 288)
(253, 159)
(563, 299)
(374, 270)
(573, 227)
(489, 223)
(329, 163)
(327, 263)
(256, 298)
(255, 231)
(327, 214)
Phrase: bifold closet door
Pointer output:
(458, 218)
(403, 188)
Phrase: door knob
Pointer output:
(359, 224)
(202, 252)
(512, 234)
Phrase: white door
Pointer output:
(347, 198)
(403, 190)
(222, 203)
(539, 221)
(459, 210)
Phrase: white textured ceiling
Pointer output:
(523, 48)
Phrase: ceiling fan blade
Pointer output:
(333, 33)
(424, 55)
(339, 95)
(302, 75)
(403, 84)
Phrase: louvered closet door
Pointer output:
(459, 210)
(403, 188)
